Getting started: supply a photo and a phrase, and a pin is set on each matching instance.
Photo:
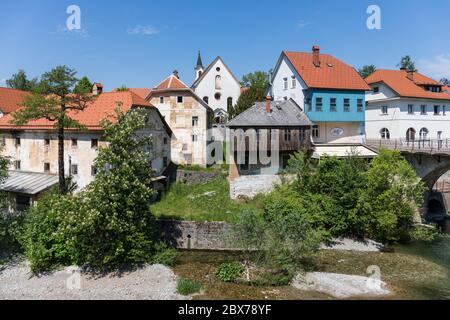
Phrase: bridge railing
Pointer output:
(427, 145)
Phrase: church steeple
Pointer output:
(199, 67)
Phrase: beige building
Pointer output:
(189, 117)
(33, 148)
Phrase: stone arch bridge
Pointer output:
(430, 159)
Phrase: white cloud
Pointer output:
(302, 24)
(143, 30)
(437, 67)
(82, 33)
(2, 82)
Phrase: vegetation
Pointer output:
(366, 70)
(407, 63)
(52, 99)
(230, 272)
(186, 287)
(109, 225)
(257, 84)
(83, 86)
(205, 202)
(165, 255)
(123, 88)
(445, 81)
(20, 81)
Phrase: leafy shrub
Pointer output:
(165, 255)
(10, 229)
(186, 287)
(425, 234)
(229, 272)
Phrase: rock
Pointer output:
(340, 285)
(346, 244)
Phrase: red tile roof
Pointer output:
(398, 81)
(331, 74)
(102, 107)
(141, 92)
(172, 82)
(11, 99)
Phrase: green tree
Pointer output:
(366, 70)
(83, 86)
(7, 222)
(445, 82)
(53, 98)
(407, 63)
(20, 81)
(246, 100)
(123, 88)
(256, 79)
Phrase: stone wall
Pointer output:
(195, 235)
(195, 177)
(250, 186)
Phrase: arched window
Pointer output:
(385, 134)
(218, 82)
(423, 134)
(206, 99)
(411, 134)
(230, 102)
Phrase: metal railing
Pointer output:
(427, 145)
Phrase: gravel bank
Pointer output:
(154, 282)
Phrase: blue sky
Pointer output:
(138, 43)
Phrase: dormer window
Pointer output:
(376, 89)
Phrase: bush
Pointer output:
(229, 272)
(425, 234)
(10, 229)
(165, 255)
(186, 287)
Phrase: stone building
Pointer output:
(33, 147)
(189, 117)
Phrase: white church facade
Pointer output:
(217, 86)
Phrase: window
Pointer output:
(180, 99)
(384, 110)
(217, 96)
(308, 104)
(318, 104)
(411, 134)
(22, 203)
(165, 162)
(287, 135)
(17, 165)
(18, 142)
(423, 109)
(47, 142)
(230, 102)
(346, 105)
(93, 171)
(74, 169)
(206, 99)
(46, 167)
(185, 147)
(439, 135)
(94, 143)
(3, 141)
(437, 110)
(315, 132)
(360, 105)
(161, 100)
(385, 134)
(218, 69)
(218, 82)
(165, 140)
(410, 109)
(285, 83)
(376, 89)
(443, 110)
(194, 138)
(74, 142)
(195, 121)
(294, 82)
(333, 104)
(423, 134)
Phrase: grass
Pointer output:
(206, 202)
(186, 287)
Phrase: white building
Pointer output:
(217, 86)
(406, 105)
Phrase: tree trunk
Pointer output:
(61, 173)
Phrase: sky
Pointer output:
(139, 43)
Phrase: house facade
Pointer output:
(189, 117)
(33, 147)
(406, 106)
(217, 86)
(332, 95)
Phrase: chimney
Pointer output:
(97, 89)
(316, 56)
(410, 75)
(268, 101)
(175, 73)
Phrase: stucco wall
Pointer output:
(285, 70)
(350, 132)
